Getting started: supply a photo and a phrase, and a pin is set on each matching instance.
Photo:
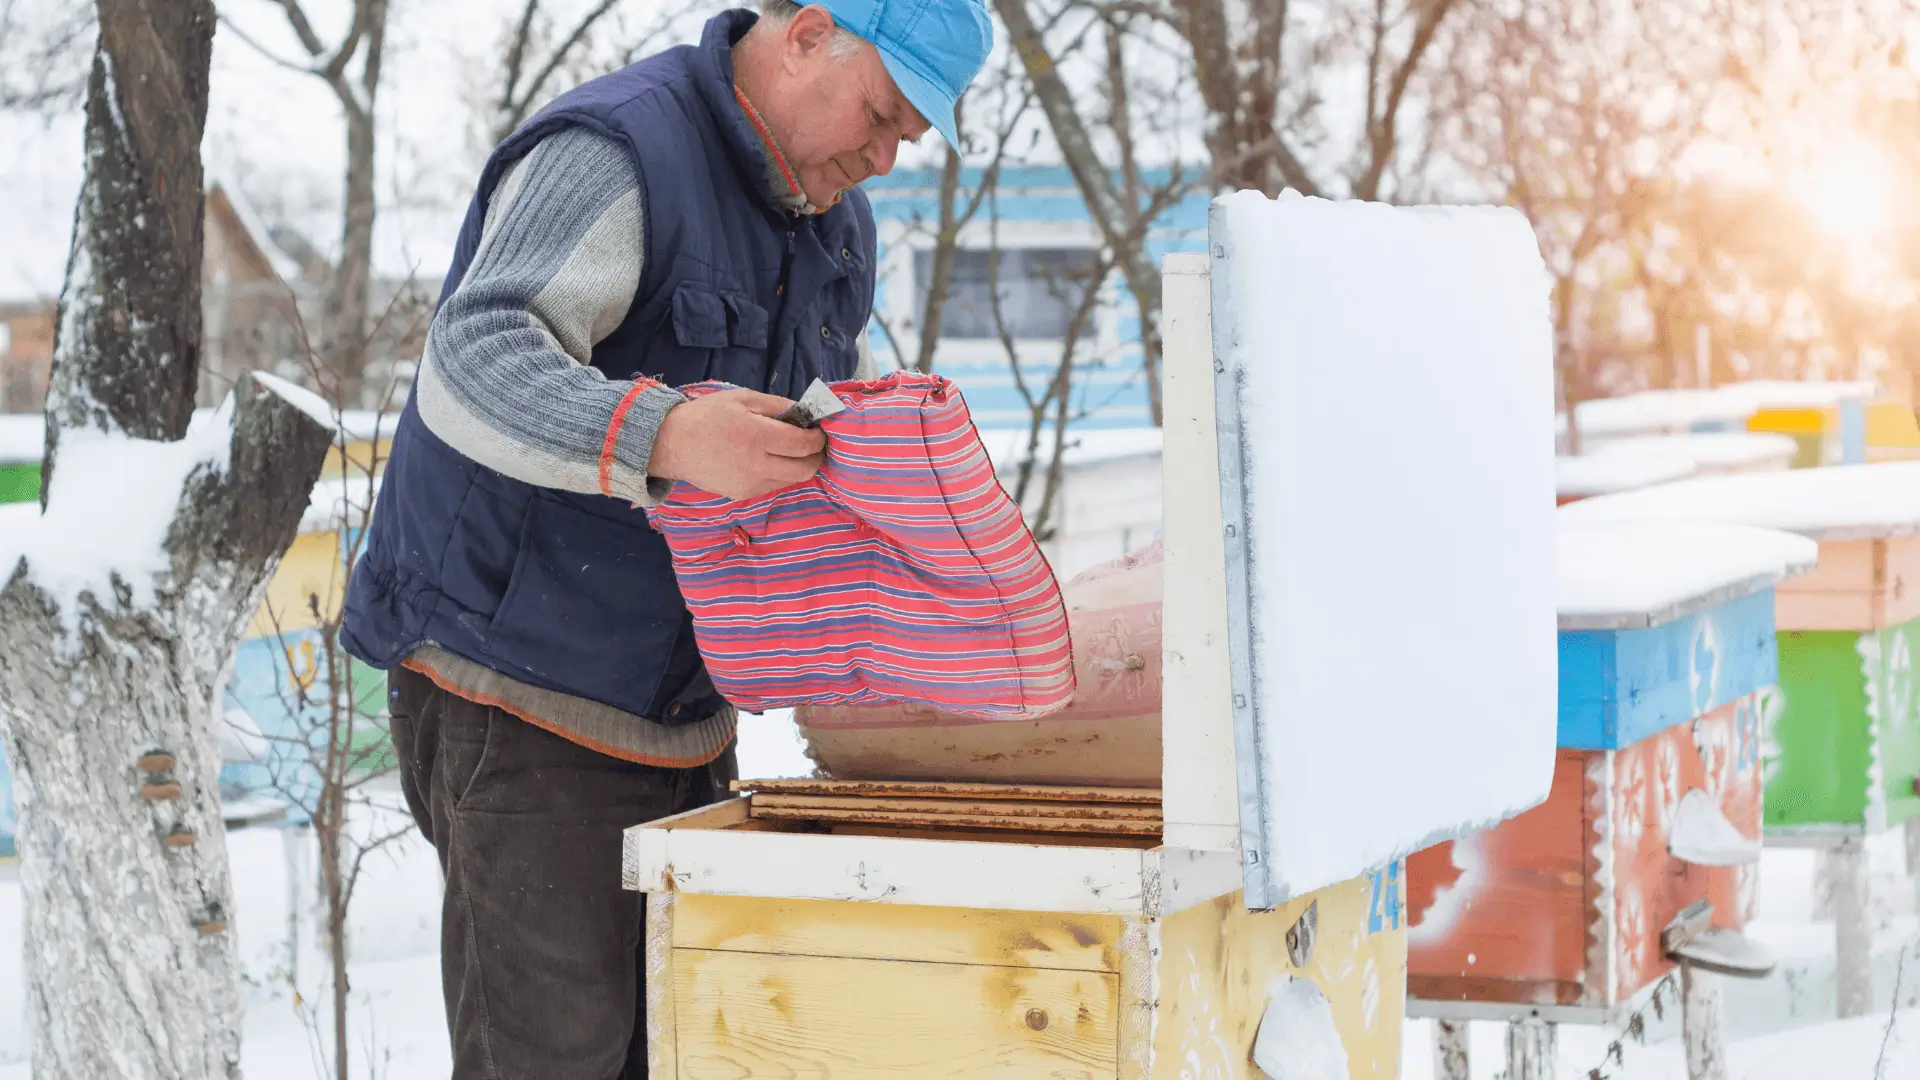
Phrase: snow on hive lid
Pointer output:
(1431, 324)
(1792, 394)
(1614, 467)
(1843, 502)
(1631, 577)
(1714, 449)
(1655, 411)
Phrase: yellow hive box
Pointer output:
(1134, 987)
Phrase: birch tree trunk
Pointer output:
(112, 655)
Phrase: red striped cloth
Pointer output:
(901, 572)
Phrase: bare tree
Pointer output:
(960, 195)
(113, 652)
(1263, 73)
(1123, 225)
(1052, 397)
(45, 49)
(1051, 407)
(1551, 105)
(524, 73)
(1121, 214)
(550, 47)
(351, 68)
(333, 741)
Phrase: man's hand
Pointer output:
(730, 444)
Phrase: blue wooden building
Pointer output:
(1047, 242)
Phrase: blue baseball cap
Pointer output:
(932, 48)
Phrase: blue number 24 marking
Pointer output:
(1384, 911)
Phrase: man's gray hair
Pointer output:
(845, 45)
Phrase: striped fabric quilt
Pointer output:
(901, 572)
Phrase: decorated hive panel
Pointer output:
(1843, 732)
(1620, 686)
(1564, 905)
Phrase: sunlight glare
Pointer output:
(1848, 192)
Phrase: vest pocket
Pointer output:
(746, 321)
(699, 318)
(592, 608)
(728, 326)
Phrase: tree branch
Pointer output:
(265, 53)
(517, 47)
(303, 28)
(349, 44)
(560, 54)
(1110, 212)
(1383, 138)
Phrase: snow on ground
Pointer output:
(1781, 1027)
(1839, 1050)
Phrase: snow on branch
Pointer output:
(109, 509)
(119, 508)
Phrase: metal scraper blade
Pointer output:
(815, 405)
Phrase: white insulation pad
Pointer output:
(1392, 623)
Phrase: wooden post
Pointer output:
(1822, 885)
(1852, 935)
(1450, 1060)
(1532, 1049)
(1701, 1024)
(1912, 828)
(662, 1056)
(1200, 795)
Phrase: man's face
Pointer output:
(840, 121)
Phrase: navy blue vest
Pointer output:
(575, 593)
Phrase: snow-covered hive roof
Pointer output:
(1793, 394)
(1614, 467)
(1635, 576)
(1714, 450)
(1844, 502)
(1641, 461)
(1655, 411)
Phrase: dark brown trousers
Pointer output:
(540, 948)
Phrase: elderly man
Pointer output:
(694, 216)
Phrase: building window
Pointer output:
(1039, 289)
